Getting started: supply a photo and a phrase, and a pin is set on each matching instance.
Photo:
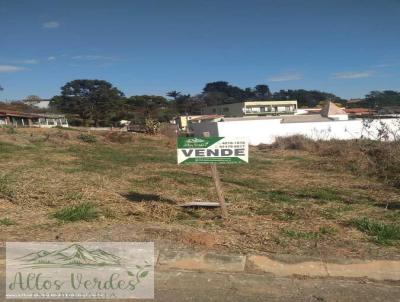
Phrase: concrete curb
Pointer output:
(200, 261)
(282, 266)
(206, 261)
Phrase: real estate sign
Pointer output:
(212, 150)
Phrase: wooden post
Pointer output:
(218, 185)
(220, 192)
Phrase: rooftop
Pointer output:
(332, 109)
(284, 119)
(206, 117)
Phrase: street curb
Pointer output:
(190, 260)
(379, 270)
(281, 266)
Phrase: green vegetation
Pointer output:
(6, 189)
(382, 233)
(6, 148)
(322, 194)
(84, 211)
(310, 235)
(300, 234)
(87, 138)
(11, 130)
(6, 221)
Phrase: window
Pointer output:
(226, 109)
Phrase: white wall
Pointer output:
(265, 131)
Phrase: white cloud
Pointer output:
(51, 58)
(286, 77)
(10, 68)
(30, 61)
(51, 24)
(94, 58)
(353, 74)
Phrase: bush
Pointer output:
(6, 221)
(295, 142)
(10, 129)
(84, 211)
(151, 127)
(6, 189)
(383, 233)
(380, 159)
(87, 138)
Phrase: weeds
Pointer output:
(362, 157)
(11, 130)
(300, 234)
(84, 211)
(382, 233)
(324, 230)
(6, 189)
(6, 221)
(323, 194)
(87, 138)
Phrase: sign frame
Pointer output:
(212, 150)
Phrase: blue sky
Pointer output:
(151, 47)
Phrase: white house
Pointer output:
(330, 124)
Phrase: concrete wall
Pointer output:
(265, 131)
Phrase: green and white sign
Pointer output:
(212, 150)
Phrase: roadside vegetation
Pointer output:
(380, 159)
(294, 197)
(84, 211)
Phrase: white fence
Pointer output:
(265, 131)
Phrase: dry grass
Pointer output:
(363, 157)
(284, 201)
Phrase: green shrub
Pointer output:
(6, 221)
(11, 130)
(87, 138)
(6, 190)
(300, 234)
(84, 211)
(382, 233)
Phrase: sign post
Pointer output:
(213, 151)
(220, 192)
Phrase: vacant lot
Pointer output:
(70, 185)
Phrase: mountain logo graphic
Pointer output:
(74, 255)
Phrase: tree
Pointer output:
(32, 99)
(93, 100)
(220, 92)
(379, 99)
(306, 98)
(173, 94)
(149, 106)
(262, 91)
